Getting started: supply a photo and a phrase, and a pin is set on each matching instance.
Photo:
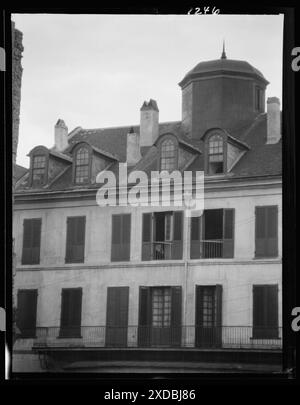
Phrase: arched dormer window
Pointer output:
(39, 160)
(215, 156)
(82, 165)
(38, 170)
(168, 154)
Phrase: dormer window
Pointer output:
(168, 155)
(82, 165)
(215, 154)
(38, 170)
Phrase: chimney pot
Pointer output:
(133, 147)
(61, 135)
(273, 120)
(149, 127)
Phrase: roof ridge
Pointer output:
(126, 126)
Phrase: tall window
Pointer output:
(38, 170)
(75, 240)
(162, 237)
(265, 311)
(161, 307)
(215, 155)
(82, 166)
(26, 312)
(266, 231)
(121, 229)
(70, 319)
(31, 241)
(168, 155)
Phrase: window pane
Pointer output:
(161, 307)
(168, 155)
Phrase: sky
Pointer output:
(95, 71)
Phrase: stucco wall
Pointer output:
(97, 272)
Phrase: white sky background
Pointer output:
(96, 71)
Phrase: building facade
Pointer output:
(123, 282)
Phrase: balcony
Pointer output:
(225, 337)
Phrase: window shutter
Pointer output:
(199, 305)
(116, 237)
(260, 231)
(218, 305)
(176, 308)
(177, 246)
(121, 231)
(31, 241)
(195, 237)
(79, 239)
(26, 312)
(144, 316)
(126, 233)
(71, 305)
(117, 316)
(75, 240)
(265, 311)
(266, 231)
(272, 231)
(147, 236)
(228, 233)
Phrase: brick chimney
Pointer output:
(133, 148)
(273, 120)
(61, 135)
(149, 128)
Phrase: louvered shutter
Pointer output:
(75, 243)
(177, 246)
(265, 311)
(71, 305)
(145, 313)
(228, 233)
(272, 231)
(126, 233)
(147, 236)
(121, 232)
(195, 238)
(26, 312)
(218, 320)
(176, 309)
(117, 316)
(266, 231)
(31, 241)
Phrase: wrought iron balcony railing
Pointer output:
(227, 337)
